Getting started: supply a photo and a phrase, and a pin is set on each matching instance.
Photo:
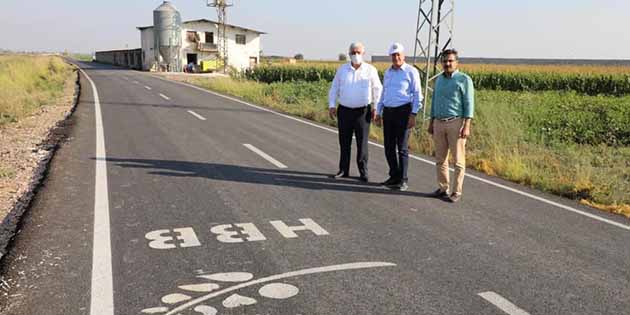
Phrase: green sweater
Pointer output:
(453, 97)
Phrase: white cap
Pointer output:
(396, 48)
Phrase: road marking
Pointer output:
(489, 182)
(342, 267)
(102, 290)
(136, 82)
(167, 239)
(289, 231)
(197, 115)
(502, 303)
(164, 97)
(228, 233)
(147, 87)
(265, 156)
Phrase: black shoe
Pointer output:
(439, 193)
(340, 174)
(400, 186)
(453, 198)
(390, 181)
(364, 178)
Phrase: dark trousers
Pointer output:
(396, 140)
(354, 121)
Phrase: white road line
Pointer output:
(102, 289)
(147, 87)
(136, 82)
(502, 303)
(265, 156)
(197, 115)
(164, 97)
(489, 182)
(342, 267)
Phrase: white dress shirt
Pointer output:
(355, 87)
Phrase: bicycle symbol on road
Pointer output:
(270, 287)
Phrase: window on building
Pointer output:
(209, 37)
(241, 39)
(192, 36)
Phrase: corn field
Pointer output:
(587, 80)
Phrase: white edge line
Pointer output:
(164, 97)
(102, 290)
(265, 156)
(147, 87)
(522, 193)
(502, 303)
(342, 267)
(196, 115)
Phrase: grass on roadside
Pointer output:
(506, 142)
(29, 82)
(6, 173)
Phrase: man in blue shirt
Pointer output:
(398, 107)
(452, 108)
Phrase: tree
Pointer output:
(343, 57)
(298, 57)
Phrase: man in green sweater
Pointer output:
(452, 108)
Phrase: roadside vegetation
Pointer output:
(565, 141)
(29, 82)
(79, 56)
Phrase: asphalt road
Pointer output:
(200, 204)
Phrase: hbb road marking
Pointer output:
(102, 288)
(228, 233)
(196, 115)
(164, 97)
(265, 156)
(502, 303)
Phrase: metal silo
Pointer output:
(167, 23)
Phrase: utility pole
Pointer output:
(221, 6)
(434, 34)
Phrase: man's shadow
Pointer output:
(253, 175)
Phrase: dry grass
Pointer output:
(29, 82)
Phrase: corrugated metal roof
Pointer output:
(207, 21)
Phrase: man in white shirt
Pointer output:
(356, 86)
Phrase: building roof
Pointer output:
(207, 21)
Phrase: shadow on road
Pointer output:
(252, 175)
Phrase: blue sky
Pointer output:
(322, 29)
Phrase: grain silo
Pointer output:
(168, 36)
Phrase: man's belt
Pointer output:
(354, 108)
(448, 118)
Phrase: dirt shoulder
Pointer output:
(28, 143)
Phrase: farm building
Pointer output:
(171, 44)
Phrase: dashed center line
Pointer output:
(164, 97)
(502, 303)
(197, 115)
(265, 156)
(147, 87)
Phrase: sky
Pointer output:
(566, 29)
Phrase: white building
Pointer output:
(200, 42)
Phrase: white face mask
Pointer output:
(356, 59)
